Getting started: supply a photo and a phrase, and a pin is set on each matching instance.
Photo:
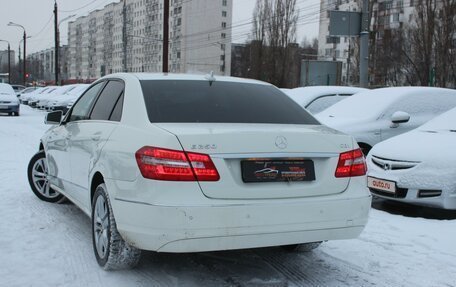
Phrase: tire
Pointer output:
(111, 251)
(305, 247)
(38, 179)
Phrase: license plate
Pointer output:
(277, 170)
(3, 107)
(381, 184)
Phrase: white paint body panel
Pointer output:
(200, 216)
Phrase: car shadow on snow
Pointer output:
(409, 210)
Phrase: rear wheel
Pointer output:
(111, 251)
(305, 247)
(38, 179)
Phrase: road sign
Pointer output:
(344, 23)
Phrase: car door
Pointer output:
(88, 137)
(70, 128)
(57, 143)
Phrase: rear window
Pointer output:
(170, 101)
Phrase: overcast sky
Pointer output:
(37, 17)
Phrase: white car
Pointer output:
(376, 115)
(43, 102)
(318, 98)
(170, 163)
(9, 104)
(60, 103)
(24, 97)
(418, 167)
(35, 98)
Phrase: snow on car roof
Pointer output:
(6, 89)
(371, 103)
(305, 95)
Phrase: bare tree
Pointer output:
(429, 43)
(274, 30)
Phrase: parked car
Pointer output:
(172, 163)
(26, 91)
(44, 101)
(376, 115)
(24, 97)
(418, 167)
(318, 98)
(17, 88)
(60, 103)
(9, 104)
(34, 99)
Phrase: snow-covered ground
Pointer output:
(45, 244)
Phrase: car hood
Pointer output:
(418, 145)
(8, 98)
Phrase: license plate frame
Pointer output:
(277, 170)
(383, 185)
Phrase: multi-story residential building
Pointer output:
(128, 36)
(42, 64)
(386, 15)
(336, 48)
(4, 59)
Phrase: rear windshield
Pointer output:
(170, 101)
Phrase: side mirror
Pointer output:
(400, 117)
(53, 118)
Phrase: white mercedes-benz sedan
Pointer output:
(181, 163)
(418, 167)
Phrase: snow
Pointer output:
(44, 244)
(432, 145)
(370, 105)
(6, 89)
(304, 96)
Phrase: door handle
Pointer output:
(95, 138)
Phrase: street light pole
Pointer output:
(57, 44)
(9, 61)
(56, 49)
(25, 45)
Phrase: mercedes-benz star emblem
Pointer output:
(281, 142)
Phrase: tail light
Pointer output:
(351, 164)
(174, 165)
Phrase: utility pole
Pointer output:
(165, 35)
(124, 36)
(9, 63)
(19, 58)
(364, 46)
(56, 52)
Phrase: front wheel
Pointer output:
(38, 179)
(111, 251)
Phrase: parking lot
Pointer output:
(50, 245)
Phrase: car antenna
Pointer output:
(210, 77)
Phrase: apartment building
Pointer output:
(386, 15)
(42, 64)
(128, 36)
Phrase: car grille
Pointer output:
(5, 102)
(392, 164)
(400, 192)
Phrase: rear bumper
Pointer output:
(210, 227)
(10, 109)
